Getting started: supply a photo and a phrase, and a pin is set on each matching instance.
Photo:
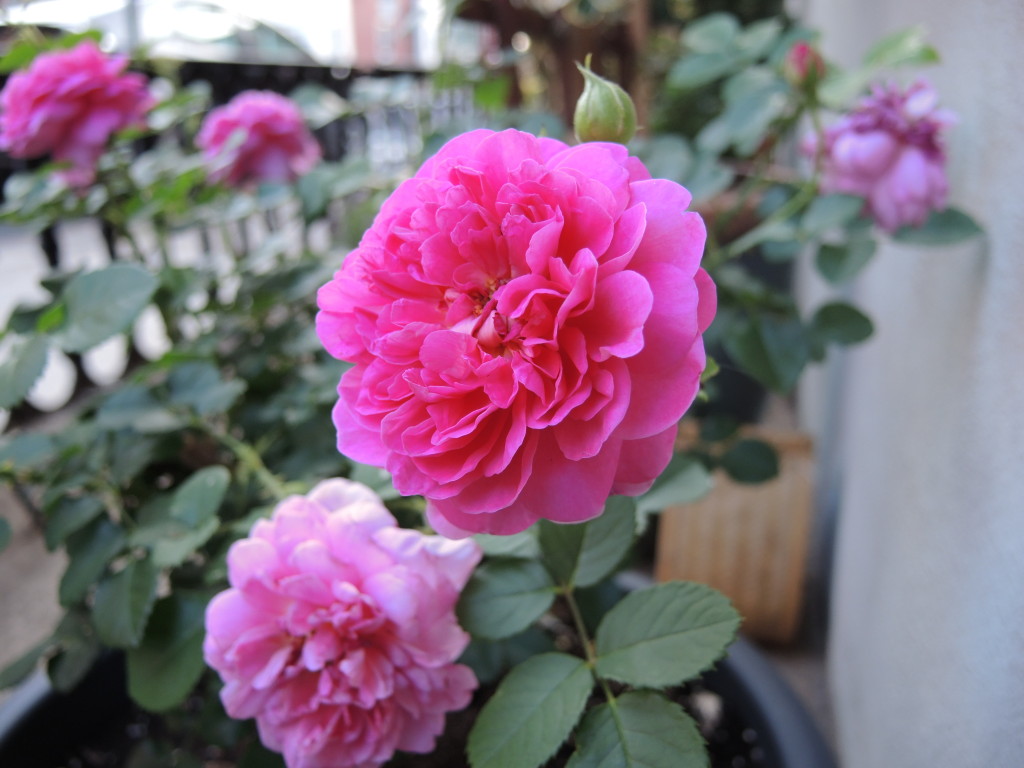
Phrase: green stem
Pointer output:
(588, 645)
(795, 204)
(249, 458)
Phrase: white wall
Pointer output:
(927, 638)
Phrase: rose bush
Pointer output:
(67, 104)
(889, 150)
(258, 136)
(338, 634)
(525, 320)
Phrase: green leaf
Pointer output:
(684, 481)
(199, 386)
(22, 369)
(490, 659)
(197, 500)
(376, 479)
(24, 665)
(67, 668)
(772, 349)
(170, 541)
(665, 634)
(19, 55)
(70, 515)
(103, 303)
(78, 650)
(711, 33)
(319, 105)
(708, 177)
(642, 729)
(523, 544)
(90, 551)
(491, 93)
(26, 452)
(5, 533)
(756, 40)
(504, 597)
(582, 554)
(134, 407)
(751, 461)
(942, 228)
(701, 68)
(839, 263)
(830, 211)
(841, 323)
(838, 89)
(130, 453)
(169, 660)
(755, 98)
(669, 153)
(531, 714)
(123, 603)
(904, 48)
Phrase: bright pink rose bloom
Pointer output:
(525, 320)
(257, 136)
(890, 152)
(67, 104)
(339, 633)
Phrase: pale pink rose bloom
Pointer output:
(338, 633)
(525, 320)
(67, 104)
(258, 136)
(890, 152)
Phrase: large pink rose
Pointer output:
(889, 151)
(525, 320)
(339, 633)
(67, 104)
(257, 136)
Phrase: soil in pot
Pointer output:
(96, 726)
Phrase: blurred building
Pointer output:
(366, 35)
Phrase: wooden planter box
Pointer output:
(749, 541)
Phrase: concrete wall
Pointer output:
(927, 637)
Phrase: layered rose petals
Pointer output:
(259, 136)
(889, 151)
(525, 320)
(338, 633)
(67, 104)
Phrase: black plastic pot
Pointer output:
(40, 728)
(753, 688)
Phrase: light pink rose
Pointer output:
(525, 320)
(257, 136)
(67, 104)
(339, 633)
(890, 152)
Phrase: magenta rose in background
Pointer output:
(889, 151)
(338, 633)
(525, 320)
(258, 136)
(67, 104)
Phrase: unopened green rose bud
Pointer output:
(604, 111)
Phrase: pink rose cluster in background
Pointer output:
(338, 633)
(258, 136)
(525, 320)
(889, 151)
(67, 104)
